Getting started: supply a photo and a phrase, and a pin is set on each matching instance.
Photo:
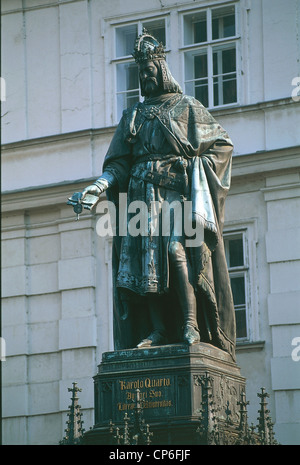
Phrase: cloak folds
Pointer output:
(190, 132)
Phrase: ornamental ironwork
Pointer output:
(213, 431)
(135, 431)
(74, 431)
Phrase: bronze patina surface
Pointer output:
(169, 150)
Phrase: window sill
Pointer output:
(246, 346)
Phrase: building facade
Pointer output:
(67, 75)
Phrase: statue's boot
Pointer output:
(156, 338)
(158, 335)
(191, 333)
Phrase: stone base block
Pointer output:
(171, 381)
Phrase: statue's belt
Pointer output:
(173, 181)
(170, 157)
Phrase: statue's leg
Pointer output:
(158, 334)
(185, 291)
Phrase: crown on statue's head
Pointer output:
(147, 48)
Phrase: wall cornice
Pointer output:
(85, 133)
(266, 162)
(250, 165)
(94, 132)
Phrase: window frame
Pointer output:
(240, 271)
(116, 60)
(209, 45)
(117, 93)
(174, 18)
(248, 228)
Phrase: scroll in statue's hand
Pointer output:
(90, 196)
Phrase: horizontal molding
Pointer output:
(39, 7)
(40, 197)
(56, 194)
(285, 191)
(266, 162)
(84, 133)
(249, 346)
(258, 106)
(48, 228)
(93, 132)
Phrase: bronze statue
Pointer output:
(169, 149)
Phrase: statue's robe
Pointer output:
(165, 149)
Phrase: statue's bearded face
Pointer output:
(149, 77)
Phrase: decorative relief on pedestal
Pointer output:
(106, 386)
(198, 380)
(227, 391)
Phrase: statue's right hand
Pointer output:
(93, 190)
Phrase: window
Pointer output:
(238, 272)
(127, 86)
(127, 79)
(210, 57)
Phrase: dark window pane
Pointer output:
(215, 64)
(224, 60)
(200, 32)
(200, 63)
(125, 40)
(157, 29)
(215, 29)
(238, 290)
(229, 26)
(229, 91)
(195, 65)
(132, 98)
(241, 324)
(223, 22)
(236, 255)
(132, 77)
(127, 77)
(216, 93)
(228, 61)
(195, 28)
(201, 93)
(225, 90)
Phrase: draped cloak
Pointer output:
(186, 132)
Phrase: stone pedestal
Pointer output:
(171, 380)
